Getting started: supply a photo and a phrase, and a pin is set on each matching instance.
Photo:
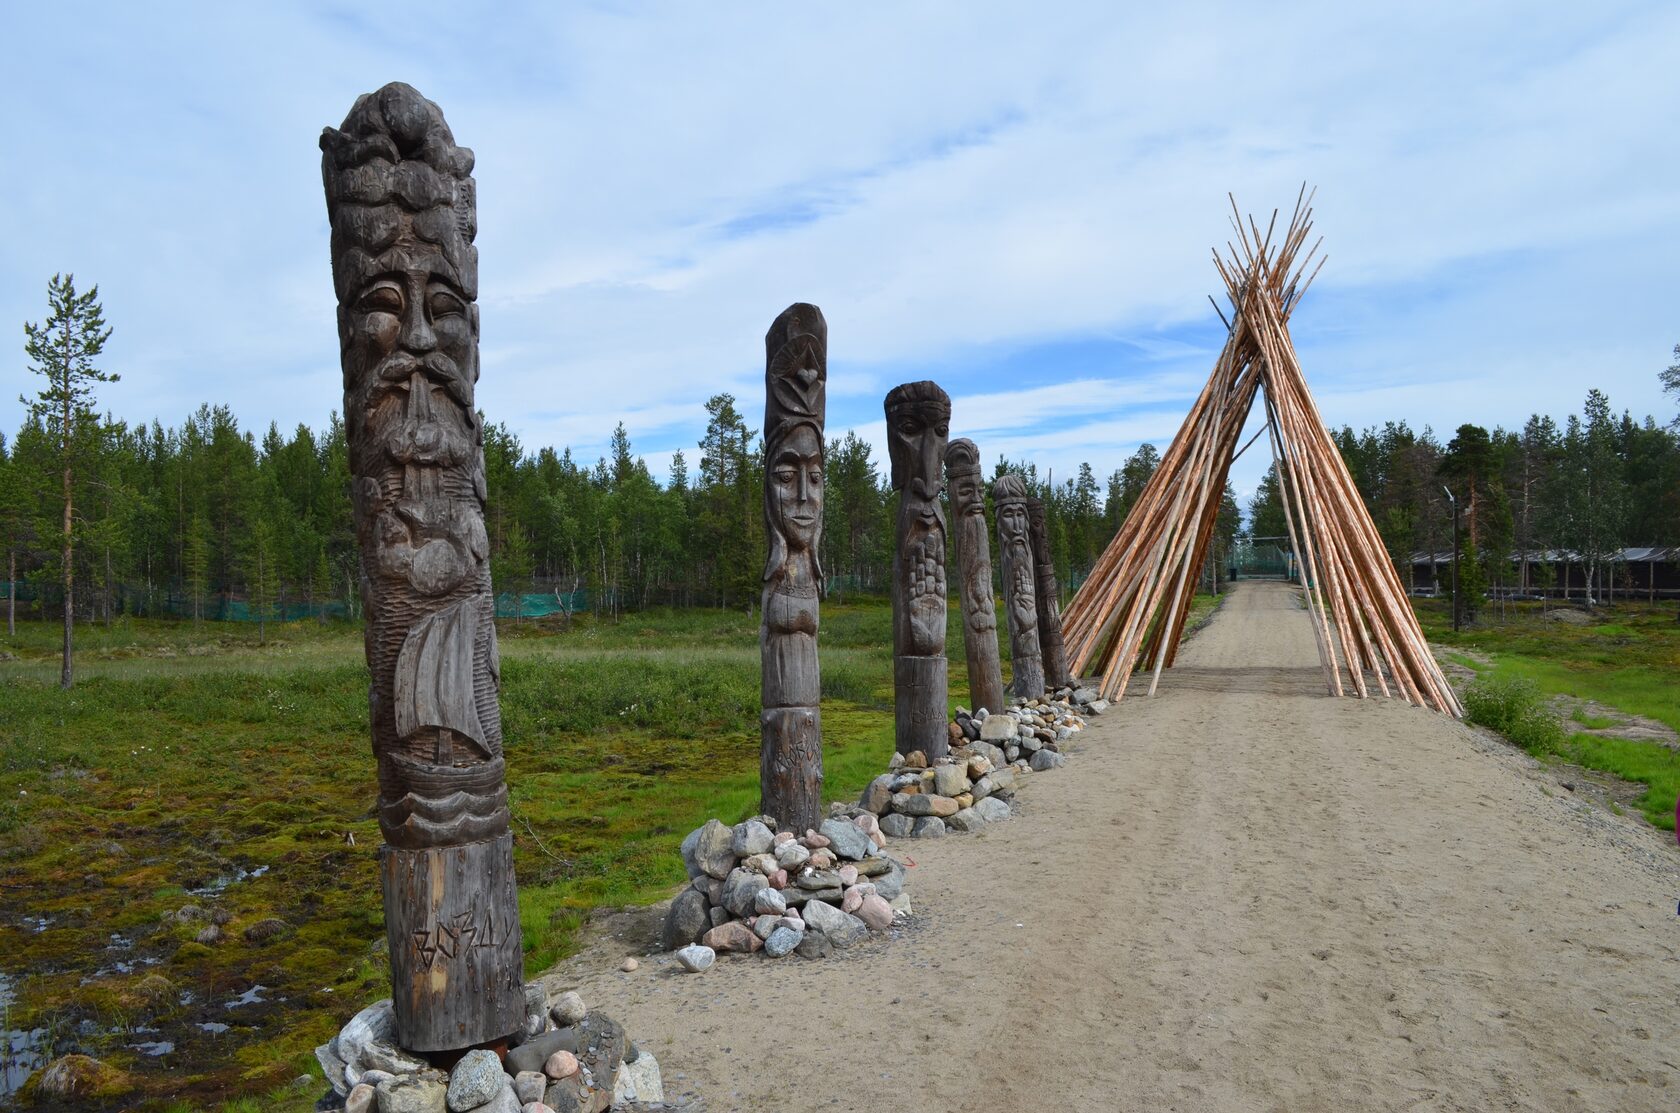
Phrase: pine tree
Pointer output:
(63, 351)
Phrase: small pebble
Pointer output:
(628, 965)
(562, 1064)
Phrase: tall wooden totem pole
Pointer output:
(1020, 601)
(973, 544)
(1048, 594)
(401, 201)
(918, 421)
(795, 387)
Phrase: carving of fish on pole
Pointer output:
(973, 544)
(918, 421)
(401, 201)
(1048, 594)
(795, 386)
(1020, 601)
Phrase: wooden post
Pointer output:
(1047, 595)
(1020, 603)
(400, 197)
(973, 544)
(795, 387)
(918, 421)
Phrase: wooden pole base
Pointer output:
(920, 707)
(457, 965)
(790, 767)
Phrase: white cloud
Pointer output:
(656, 185)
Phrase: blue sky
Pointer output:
(1018, 205)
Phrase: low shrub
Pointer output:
(1516, 709)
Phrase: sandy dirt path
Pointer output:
(1239, 895)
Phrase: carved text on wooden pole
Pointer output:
(400, 198)
(973, 544)
(918, 421)
(795, 383)
(1020, 603)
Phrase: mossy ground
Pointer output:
(1625, 656)
(190, 766)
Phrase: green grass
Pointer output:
(1593, 722)
(1626, 658)
(1515, 709)
(185, 754)
(1654, 766)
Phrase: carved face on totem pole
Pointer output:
(401, 199)
(1014, 535)
(918, 422)
(796, 379)
(968, 503)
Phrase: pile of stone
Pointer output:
(754, 888)
(567, 1059)
(976, 782)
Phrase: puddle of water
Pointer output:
(214, 1027)
(23, 1054)
(217, 885)
(252, 996)
(155, 1048)
(37, 924)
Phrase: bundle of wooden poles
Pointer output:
(1131, 612)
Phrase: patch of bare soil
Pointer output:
(1239, 895)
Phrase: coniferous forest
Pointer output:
(207, 519)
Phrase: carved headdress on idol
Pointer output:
(1009, 490)
(962, 457)
(795, 395)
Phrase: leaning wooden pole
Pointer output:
(1133, 606)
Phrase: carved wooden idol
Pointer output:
(1020, 603)
(918, 421)
(973, 544)
(401, 203)
(795, 383)
(1048, 593)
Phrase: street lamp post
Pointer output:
(1455, 603)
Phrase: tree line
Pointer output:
(206, 519)
(1587, 488)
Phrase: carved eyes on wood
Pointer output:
(912, 424)
(389, 295)
(787, 476)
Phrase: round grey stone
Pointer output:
(782, 941)
(695, 957)
(928, 827)
(895, 825)
(476, 1079)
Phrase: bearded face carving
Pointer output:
(972, 542)
(401, 201)
(1019, 586)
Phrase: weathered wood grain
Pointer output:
(795, 386)
(401, 201)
